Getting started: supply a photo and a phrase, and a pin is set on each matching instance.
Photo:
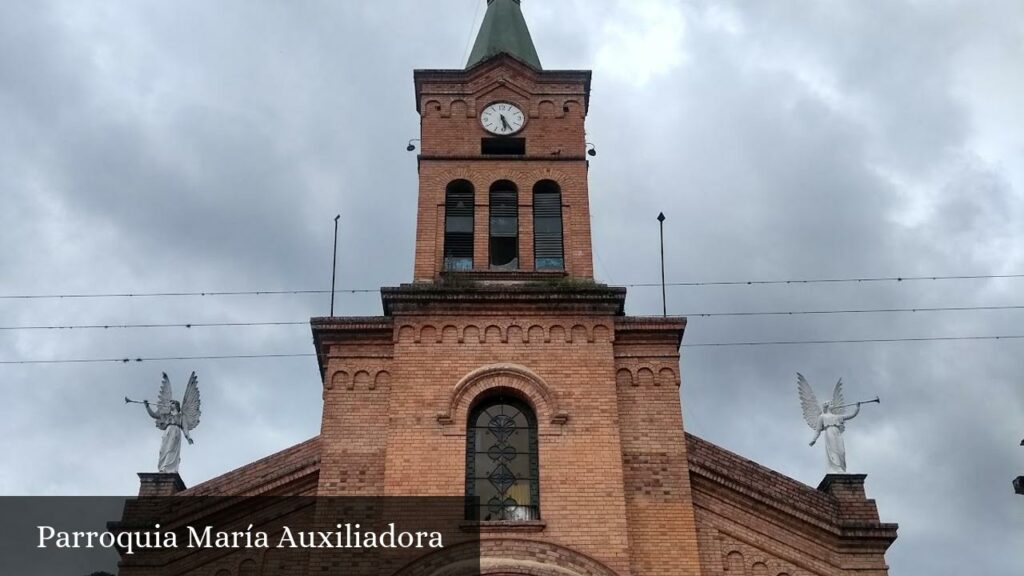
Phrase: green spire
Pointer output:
(504, 30)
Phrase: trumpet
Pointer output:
(877, 400)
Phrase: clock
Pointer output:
(503, 119)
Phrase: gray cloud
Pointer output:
(151, 146)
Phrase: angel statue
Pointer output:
(174, 418)
(829, 419)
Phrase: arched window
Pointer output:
(548, 250)
(458, 226)
(504, 226)
(501, 461)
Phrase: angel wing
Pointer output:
(190, 404)
(808, 402)
(164, 397)
(838, 399)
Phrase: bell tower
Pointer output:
(503, 165)
(503, 372)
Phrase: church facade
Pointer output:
(503, 372)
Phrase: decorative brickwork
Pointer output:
(449, 103)
(623, 491)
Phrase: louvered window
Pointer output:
(504, 226)
(547, 226)
(458, 226)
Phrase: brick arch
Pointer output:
(432, 107)
(555, 175)
(523, 179)
(624, 378)
(341, 379)
(571, 107)
(667, 377)
(493, 334)
(506, 557)
(645, 376)
(460, 173)
(512, 377)
(459, 108)
(361, 380)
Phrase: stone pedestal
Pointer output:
(158, 484)
(1018, 485)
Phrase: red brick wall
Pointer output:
(573, 392)
(555, 106)
(435, 175)
(662, 533)
(752, 520)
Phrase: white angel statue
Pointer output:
(830, 419)
(174, 418)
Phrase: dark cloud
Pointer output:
(156, 146)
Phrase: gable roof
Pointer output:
(293, 468)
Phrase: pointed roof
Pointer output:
(504, 31)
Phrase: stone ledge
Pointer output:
(504, 526)
(160, 484)
(555, 297)
(831, 480)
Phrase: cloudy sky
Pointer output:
(197, 146)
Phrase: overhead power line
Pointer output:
(143, 326)
(162, 359)
(855, 311)
(212, 293)
(697, 345)
(191, 325)
(854, 341)
(180, 294)
(832, 280)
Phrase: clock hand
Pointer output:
(505, 124)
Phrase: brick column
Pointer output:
(866, 537)
(854, 506)
(158, 484)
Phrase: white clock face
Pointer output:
(503, 119)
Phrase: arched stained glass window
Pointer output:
(501, 461)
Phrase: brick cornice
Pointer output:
(524, 158)
(348, 330)
(538, 77)
(640, 330)
(500, 299)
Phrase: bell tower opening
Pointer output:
(458, 226)
(504, 247)
(515, 134)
